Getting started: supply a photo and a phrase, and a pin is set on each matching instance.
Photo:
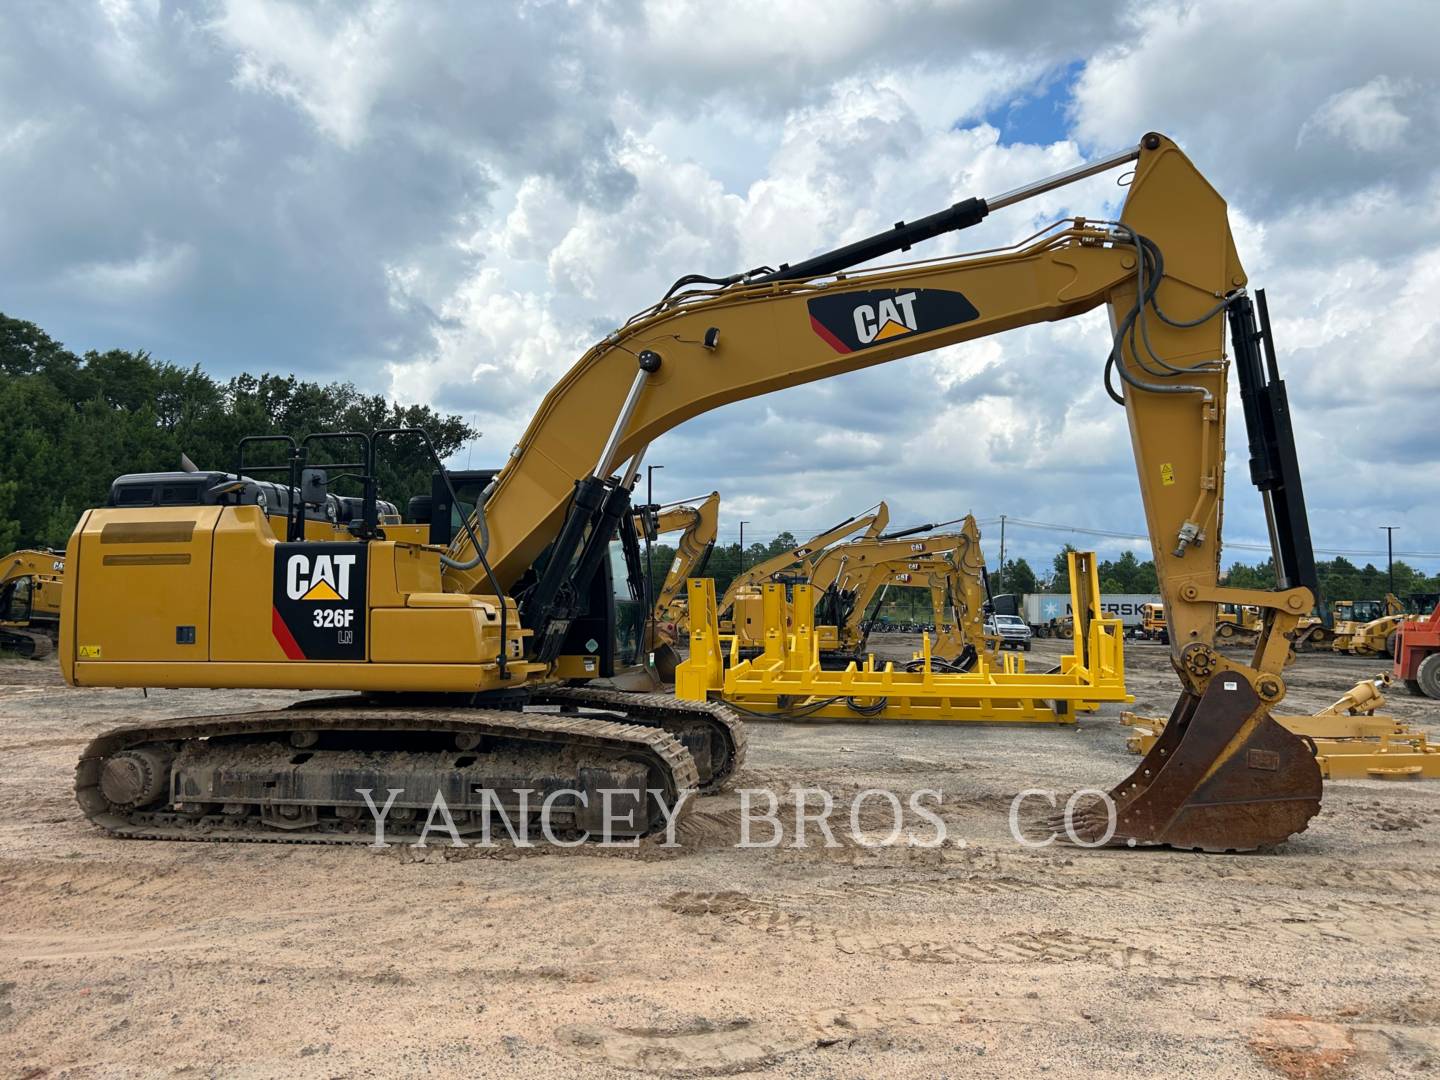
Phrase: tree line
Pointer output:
(70, 424)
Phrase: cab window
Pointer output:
(15, 600)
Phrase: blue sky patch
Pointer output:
(1037, 115)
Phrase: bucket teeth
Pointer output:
(1222, 777)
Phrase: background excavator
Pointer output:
(460, 655)
(835, 572)
(697, 525)
(30, 588)
(798, 562)
(852, 574)
(957, 608)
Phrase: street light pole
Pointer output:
(1000, 577)
(1390, 553)
(742, 545)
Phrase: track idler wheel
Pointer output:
(1223, 776)
(134, 778)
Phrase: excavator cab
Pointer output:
(16, 602)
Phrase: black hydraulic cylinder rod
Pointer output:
(614, 507)
(700, 566)
(1251, 373)
(960, 216)
(1274, 465)
(906, 532)
(840, 525)
(538, 605)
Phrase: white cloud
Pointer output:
(159, 267)
(1367, 117)
(333, 73)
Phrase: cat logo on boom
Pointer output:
(891, 317)
(863, 319)
(319, 577)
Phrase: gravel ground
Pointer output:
(981, 957)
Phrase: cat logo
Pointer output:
(318, 600)
(857, 319)
(319, 578)
(891, 317)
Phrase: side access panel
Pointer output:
(277, 602)
(142, 583)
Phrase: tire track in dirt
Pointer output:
(708, 1047)
(770, 916)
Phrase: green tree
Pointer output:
(1128, 574)
(9, 525)
(1018, 578)
(1059, 580)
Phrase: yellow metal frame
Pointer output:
(1351, 741)
(786, 680)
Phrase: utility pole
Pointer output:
(1390, 553)
(1000, 576)
(742, 545)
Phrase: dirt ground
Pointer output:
(979, 958)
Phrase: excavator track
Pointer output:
(713, 733)
(27, 643)
(294, 775)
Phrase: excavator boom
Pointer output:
(698, 525)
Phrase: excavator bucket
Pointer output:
(1223, 776)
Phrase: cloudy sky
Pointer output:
(449, 202)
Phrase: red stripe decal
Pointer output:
(829, 338)
(283, 636)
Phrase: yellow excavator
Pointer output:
(797, 562)
(957, 608)
(835, 572)
(697, 525)
(852, 574)
(458, 659)
(31, 583)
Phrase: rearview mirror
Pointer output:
(312, 486)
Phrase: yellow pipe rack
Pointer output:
(786, 680)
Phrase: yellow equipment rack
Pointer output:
(1349, 739)
(786, 681)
